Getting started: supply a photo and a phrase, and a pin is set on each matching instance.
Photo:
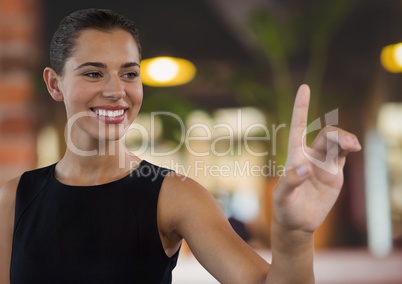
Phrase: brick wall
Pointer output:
(20, 39)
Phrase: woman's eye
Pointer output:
(131, 75)
(93, 74)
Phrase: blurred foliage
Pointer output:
(294, 39)
(167, 100)
(284, 35)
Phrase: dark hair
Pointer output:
(63, 40)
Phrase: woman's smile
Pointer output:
(110, 114)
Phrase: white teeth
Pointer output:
(109, 113)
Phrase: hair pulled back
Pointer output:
(64, 39)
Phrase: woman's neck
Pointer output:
(108, 162)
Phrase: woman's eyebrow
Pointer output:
(103, 65)
(130, 64)
(93, 64)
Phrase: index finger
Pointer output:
(298, 124)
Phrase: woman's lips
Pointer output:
(110, 115)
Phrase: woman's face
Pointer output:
(101, 85)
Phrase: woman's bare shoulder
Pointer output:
(185, 203)
(180, 196)
(7, 205)
(183, 188)
(8, 193)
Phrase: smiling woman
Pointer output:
(103, 215)
(101, 80)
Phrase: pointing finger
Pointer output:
(299, 121)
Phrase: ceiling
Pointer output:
(212, 34)
(177, 27)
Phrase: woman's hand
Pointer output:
(314, 175)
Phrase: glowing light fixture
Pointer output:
(391, 58)
(166, 71)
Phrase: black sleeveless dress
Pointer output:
(89, 234)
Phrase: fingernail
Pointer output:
(302, 171)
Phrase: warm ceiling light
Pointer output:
(391, 58)
(166, 71)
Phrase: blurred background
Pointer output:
(250, 57)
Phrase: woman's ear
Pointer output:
(52, 83)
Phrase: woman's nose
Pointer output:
(114, 88)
